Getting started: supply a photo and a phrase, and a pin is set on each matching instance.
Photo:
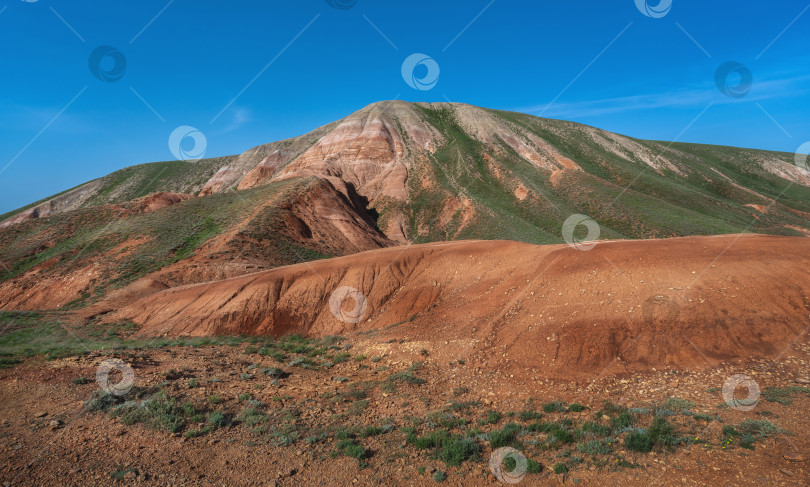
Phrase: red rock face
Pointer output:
(157, 201)
(365, 150)
(217, 182)
(265, 169)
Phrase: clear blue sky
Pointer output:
(646, 77)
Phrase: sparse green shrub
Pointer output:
(638, 441)
(432, 440)
(217, 419)
(594, 447)
(555, 407)
(662, 432)
(101, 401)
(560, 468)
(493, 417)
(678, 404)
(457, 449)
(252, 417)
(460, 391)
(352, 449)
(529, 415)
(622, 421)
(158, 412)
(589, 429)
(357, 407)
(504, 437)
(194, 433)
(760, 427)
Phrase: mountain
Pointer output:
(391, 173)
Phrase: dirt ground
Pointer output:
(48, 437)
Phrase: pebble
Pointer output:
(786, 472)
(41, 414)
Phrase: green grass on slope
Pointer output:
(170, 176)
(11, 213)
(656, 205)
(76, 238)
(136, 181)
(666, 203)
(27, 333)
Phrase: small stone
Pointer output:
(56, 424)
(41, 414)
(130, 475)
(786, 472)
(802, 381)
(795, 456)
(430, 469)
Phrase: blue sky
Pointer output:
(249, 72)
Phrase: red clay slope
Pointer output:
(542, 310)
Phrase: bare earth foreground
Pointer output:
(602, 367)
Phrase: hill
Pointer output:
(391, 173)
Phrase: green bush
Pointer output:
(493, 417)
(200, 432)
(529, 415)
(662, 432)
(252, 417)
(217, 419)
(638, 441)
(560, 468)
(761, 427)
(352, 449)
(158, 412)
(678, 404)
(504, 437)
(622, 421)
(555, 407)
(275, 373)
(594, 447)
(590, 428)
(439, 476)
(432, 440)
(101, 401)
(457, 449)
